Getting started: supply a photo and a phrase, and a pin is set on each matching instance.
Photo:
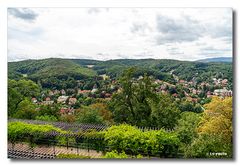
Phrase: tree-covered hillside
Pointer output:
(80, 69)
(49, 72)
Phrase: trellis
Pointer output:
(76, 127)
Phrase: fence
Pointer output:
(77, 141)
(76, 126)
(77, 144)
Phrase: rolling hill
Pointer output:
(218, 59)
(54, 71)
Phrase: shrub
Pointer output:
(31, 133)
(132, 140)
(115, 155)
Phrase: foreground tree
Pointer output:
(18, 91)
(131, 104)
(215, 131)
(26, 110)
(137, 103)
(165, 112)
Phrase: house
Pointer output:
(63, 92)
(34, 100)
(119, 90)
(94, 89)
(164, 92)
(72, 101)
(194, 100)
(112, 87)
(55, 92)
(50, 93)
(68, 111)
(90, 66)
(108, 95)
(85, 93)
(181, 81)
(157, 81)
(224, 82)
(209, 94)
(140, 77)
(194, 91)
(175, 95)
(62, 99)
(49, 102)
(199, 91)
(163, 87)
(222, 92)
(190, 83)
(47, 99)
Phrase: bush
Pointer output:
(132, 140)
(115, 155)
(31, 133)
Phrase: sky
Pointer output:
(119, 33)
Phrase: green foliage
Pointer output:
(186, 106)
(115, 155)
(186, 128)
(206, 146)
(165, 112)
(214, 131)
(89, 115)
(14, 98)
(138, 99)
(31, 133)
(130, 139)
(49, 110)
(131, 104)
(19, 92)
(47, 72)
(26, 110)
(72, 156)
(97, 113)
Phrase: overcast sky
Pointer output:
(116, 33)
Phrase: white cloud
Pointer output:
(111, 33)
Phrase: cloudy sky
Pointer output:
(116, 33)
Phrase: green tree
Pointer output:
(26, 110)
(214, 131)
(18, 91)
(131, 104)
(89, 115)
(165, 112)
(187, 127)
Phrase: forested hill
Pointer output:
(218, 59)
(52, 70)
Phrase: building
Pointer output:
(94, 90)
(69, 111)
(85, 93)
(50, 93)
(222, 92)
(63, 92)
(62, 99)
(50, 102)
(34, 100)
(72, 101)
